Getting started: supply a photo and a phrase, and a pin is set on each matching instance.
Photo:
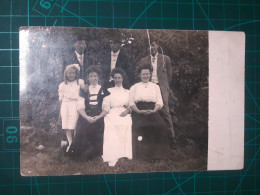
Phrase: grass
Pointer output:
(187, 155)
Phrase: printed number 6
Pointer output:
(11, 139)
(45, 4)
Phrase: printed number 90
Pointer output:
(11, 130)
(45, 4)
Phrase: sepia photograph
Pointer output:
(105, 101)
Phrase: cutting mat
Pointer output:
(234, 15)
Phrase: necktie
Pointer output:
(114, 56)
(153, 59)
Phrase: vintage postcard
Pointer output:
(101, 101)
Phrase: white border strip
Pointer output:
(226, 100)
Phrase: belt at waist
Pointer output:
(145, 105)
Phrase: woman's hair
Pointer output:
(96, 69)
(69, 67)
(120, 71)
(144, 66)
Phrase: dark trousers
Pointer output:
(165, 113)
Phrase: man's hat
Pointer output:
(155, 36)
(155, 39)
(115, 36)
(78, 37)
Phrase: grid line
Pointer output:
(204, 16)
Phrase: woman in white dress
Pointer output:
(118, 122)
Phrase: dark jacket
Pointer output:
(123, 61)
(72, 59)
(164, 73)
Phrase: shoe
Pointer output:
(173, 143)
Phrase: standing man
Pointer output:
(116, 58)
(78, 57)
(161, 75)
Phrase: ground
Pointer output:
(186, 155)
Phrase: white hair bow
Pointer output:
(77, 66)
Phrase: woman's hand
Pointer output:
(156, 108)
(91, 119)
(85, 116)
(123, 114)
(101, 115)
(95, 119)
(144, 112)
(135, 109)
(84, 87)
(152, 111)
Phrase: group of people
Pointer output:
(102, 117)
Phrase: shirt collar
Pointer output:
(156, 56)
(94, 88)
(115, 54)
(78, 55)
(121, 87)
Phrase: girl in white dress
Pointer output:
(69, 95)
(118, 122)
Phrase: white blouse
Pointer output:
(145, 92)
(93, 92)
(119, 97)
(70, 91)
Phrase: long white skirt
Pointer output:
(117, 135)
(69, 114)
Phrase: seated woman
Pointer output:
(90, 127)
(150, 134)
(118, 122)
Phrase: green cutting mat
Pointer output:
(235, 15)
